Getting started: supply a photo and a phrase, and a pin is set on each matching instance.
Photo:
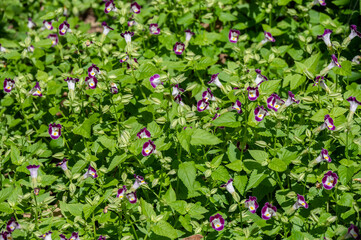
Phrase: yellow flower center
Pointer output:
(91, 84)
(326, 157)
(277, 106)
(53, 42)
(267, 214)
(38, 92)
(8, 87)
(303, 204)
(142, 181)
(251, 207)
(92, 174)
(92, 73)
(252, 95)
(237, 108)
(260, 115)
(330, 126)
(234, 39)
(121, 196)
(132, 199)
(55, 133)
(63, 31)
(108, 9)
(218, 225)
(147, 151)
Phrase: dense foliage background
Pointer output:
(194, 154)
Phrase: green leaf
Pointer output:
(196, 210)
(5, 193)
(179, 206)
(48, 16)
(185, 221)
(337, 111)
(227, 17)
(232, 152)
(13, 55)
(15, 155)
(345, 174)
(147, 209)
(297, 80)
(184, 137)
(346, 200)
(75, 209)
(108, 142)
(5, 208)
(170, 195)
(45, 43)
(203, 137)
(283, 2)
(186, 19)
(204, 63)
(240, 183)
(345, 69)
(88, 210)
(165, 229)
(217, 161)
(277, 165)
(116, 161)
(311, 63)
(320, 115)
(227, 120)
(259, 155)
(255, 179)
(187, 173)
(85, 128)
(236, 165)
(269, 87)
(221, 174)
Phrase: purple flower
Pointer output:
(291, 99)
(329, 180)
(253, 93)
(46, 236)
(320, 80)
(74, 236)
(63, 164)
(131, 23)
(124, 59)
(71, 82)
(252, 204)
(135, 7)
(356, 59)
(321, 2)
(139, 180)
(217, 222)
(216, 116)
(326, 37)
(354, 32)
(328, 123)
(176, 90)
(274, 102)
(62, 237)
(229, 186)
(189, 35)
(33, 169)
(36, 90)
(233, 35)
(207, 95)
(109, 6)
(268, 38)
(132, 197)
(148, 148)
(178, 99)
(31, 24)
(101, 238)
(92, 82)
(155, 80)
(352, 100)
(113, 88)
(353, 232)
(91, 172)
(202, 105)
(54, 39)
(31, 48)
(324, 156)
(127, 35)
(47, 25)
(54, 130)
(301, 202)
(5, 236)
(333, 63)
(268, 211)
(106, 28)
(12, 225)
(178, 48)
(9, 85)
(93, 70)
(260, 113)
(144, 133)
(242, 146)
(260, 78)
(237, 106)
(64, 28)
(154, 29)
(121, 192)
(215, 80)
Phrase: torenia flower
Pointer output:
(36, 90)
(127, 36)
(47, 25)
(216, 116)
(324, 156)
(354, 33)
(291, 99)
(92, 82)
(46, 236)
(178, 99)
(144, 133)
(31, 24)
(233, 35)
(176, 90)
(268, 38)
(328, 123)
(113, 88)
(217, 222)
(237, 106)
(12, 225)
(135, 7)
(320, 80)
(109, 6)
(178, 48)
(74, 236)
(329, 180)
(274, 102)
(260, 78)
(64, 28)
(91, 172)
(215, 80)
(252, 204)
(93, 70)
(229, 186)
(124, 59)
(54, 39)
(71, 82)
(154, 29)
(148, 148)
(202, 105)
(63, 164)
(353, 232)
(132, 197)
(62, 237)
(268, 211)
(356, 59)
(189, 35)
(253, 93)
(54, 130)
(301, 202)
(326, 37)
(207, 95)
(33, 169)
(131, 23)
(101, 238)
(333, 63)
(260, 113)
(106, 28)
(353, 103)
(2, 49)
(321, 2)
(31, 48)
(9, 85)
(121, 192)
(139, 180)
(155, 80)
(5, 236)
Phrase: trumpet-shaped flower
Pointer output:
(237, 106)
(268, 38)
(36, 90)
(215, 80)
(202, 105)
(93, 71)
(63, 164)
(91, 172)
(217, 222)
(91, 81)
(274, 102)
(229, 186)
(178, 48)
(326, 37)
(148, 148)
(301, 202)
(110, 6)
(155, 80)
(135, 7)
(139, 180)
(144, 133)
(154, 29)
(329, 180)
(12, 225)
(113, 88)
(54, 39)
(5, 236)
(324, 156)
(189, 35)
(291, 99)
(333, 63)
(71, 82)
(54, 130)
(46, 236)
(106, 28)
(64, 28)
(233, 35)
(31, 24)
(321, 2)
(47, 25)
(101, 238)
(178, 99)
(121, 192)
(353, 103)
(353, 232)
(253, 93)
(124, 59)
(132, 197)
(354, 33)
(252, 204)
(260, 78)
(328, 123)
(268, 211)
(9, 85)
(127, 35)
(74, 236)
(260, 113)
(320, 80)
(176, 90)
(207, 95)
(33, 169)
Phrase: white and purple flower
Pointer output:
(252, 204)
(178, 48)
(64, 28)
(326, 37)
(260, 78)
(36, 90)
(33, 169)
(12, 224)
(207, 95)
(321, 2)
(46, 236)
(91, 81)
(260, 113)
(333, 63)
(139, 181)
(178, 99)
(291, 99)
(132, 197)
(31, 48)
(144, 133)
(135, 7)
(124, 59)
(155, 80)
(354, 33)
(154, 29)
(229, 186)
(253, 93)
(268, 38)
(320, 80)
(217, 222)
(274, 102)
(5, 236)
(91, 172)
(268, 211)
(93, 70)
(301, 202)
(31, 24)
(121, 192)
(353, 232)
(110, 6)
(54, 39)
(127, 35)
(71, 82)
(329, 180)
(324, 156)
(74, 236)
(113, 88)
(106, 28)
(233, 35)
(148, 148)
(176, 90)
(131, 23)
(215, 80)
(47, 25)
(9, 85)
(237, 106)
(54, 130)
(328, 123)
(202, 105)
(189, 34)
(353, 103)
(101, 237)
(63, 164)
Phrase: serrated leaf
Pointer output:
(221, 174)
(203, 137)
(235, 165)
(345, 174)
(255, 179)
(165, 229)
(277, 165)
(187, 173)
(116, 161)
(258, 155)
(227, 120)
(319, 116)
(147, 209)
(240, 183)
(170, 195)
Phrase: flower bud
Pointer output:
(232, 208)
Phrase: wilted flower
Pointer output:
(353, 103)
(260, 78)
(229, 186)
(121, 192)
(268, 38)
(328, 123)
(139, 180)
(106, 28)
(333, 63)
(233, 35)
(127, 36)
(31, 24)
(354, 32)
(148, 148)
(217, 222)
(135, 7)
(215, 80)
(301, 202)
(113, 88)
(324, 156)
(321, 2)
(178, 48)
(253, 93)
(64, 28)
(63, 164)
(91, 81)
(274, 102)
(91, 172)
(36, 90)
(9, 85)
(189, 35)
(54, 39)
(237, 106)
(353, 232)
(252, 204)
(329, 180)
(154, 29)
(326, 37)
(291, 99)
(207, 95)
(46, 236)
(47, 25)
(93, 70)
(132, 197)
(202, 105)
(356, 59)
(176, 90)
(74, 236)
(54, 130)
(268, 211)
(144, 133)
(155, 80)
(71, 82)
(12, 225)
(178, 99)
(109, 6)
(260, 113)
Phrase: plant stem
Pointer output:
(94, 227)
(36, 211)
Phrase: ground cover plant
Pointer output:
(175, 119)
